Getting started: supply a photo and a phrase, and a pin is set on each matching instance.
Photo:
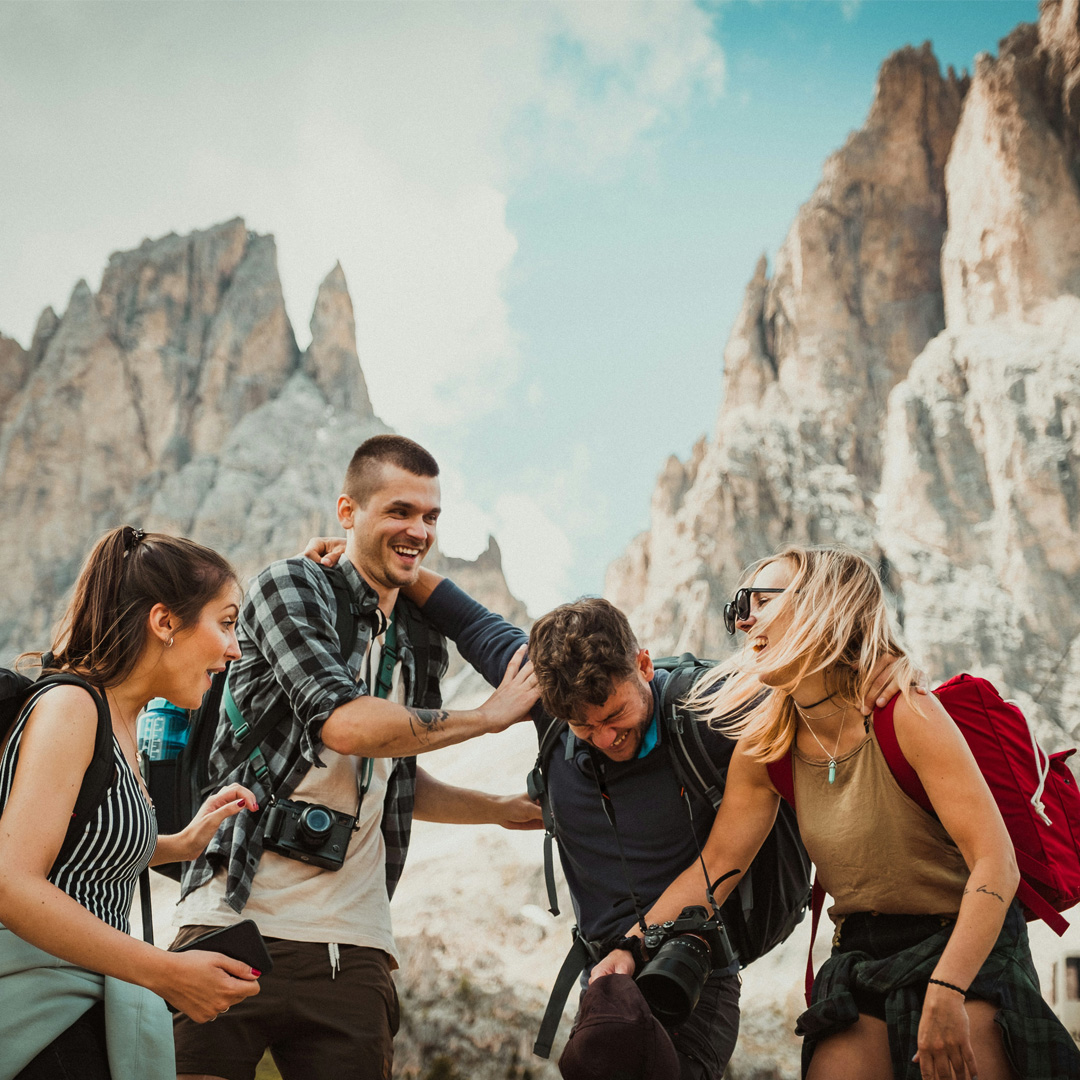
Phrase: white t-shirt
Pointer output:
(299, 902)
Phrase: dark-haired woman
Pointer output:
(152, 616)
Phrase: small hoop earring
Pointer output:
(168, 643)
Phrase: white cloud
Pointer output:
(387, 136)
(384, 136)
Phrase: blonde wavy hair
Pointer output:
(839, 625)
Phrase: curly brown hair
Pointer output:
(578, 652)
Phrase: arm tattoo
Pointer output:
(989, 892)
(423, 723)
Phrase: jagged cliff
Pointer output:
(907, 381)
(176, 398)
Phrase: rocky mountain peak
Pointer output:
(331, 360)
(907, 382)
(176, 399)
(1014, 178)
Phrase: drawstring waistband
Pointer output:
(335, 959)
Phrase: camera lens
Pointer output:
(672, 981)
(314, 826)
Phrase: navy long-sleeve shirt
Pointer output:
(652, 817)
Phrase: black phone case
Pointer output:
(241, 941)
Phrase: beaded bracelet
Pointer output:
(942, 982)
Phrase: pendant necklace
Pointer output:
(832, 756)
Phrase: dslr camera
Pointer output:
(684, 951)
(308, 832)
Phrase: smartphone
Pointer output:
(241, 941)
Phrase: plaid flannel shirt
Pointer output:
(292, 662)
(1036, 1042)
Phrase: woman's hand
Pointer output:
(190, 843)
(205, 984)
(945, 1036)
(617, 962)
(324, 549)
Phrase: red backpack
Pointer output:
(1035, 792)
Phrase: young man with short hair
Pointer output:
(343, 734)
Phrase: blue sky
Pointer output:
(547, 213)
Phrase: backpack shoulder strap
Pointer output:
(348, 611)
(536, 785)
(99, 773)
(695, 766)
(783, 777)
(419, 632)
(899, 766)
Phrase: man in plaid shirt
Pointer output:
(349, 731)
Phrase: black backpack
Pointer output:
(772, 898)
(179, 785)
(16, 690)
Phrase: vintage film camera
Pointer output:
(683, 953)
(308, 832)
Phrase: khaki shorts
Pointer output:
(316, 1027)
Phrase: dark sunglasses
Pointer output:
(738, 609)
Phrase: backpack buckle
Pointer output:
(534, 784)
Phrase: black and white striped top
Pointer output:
(116, 845)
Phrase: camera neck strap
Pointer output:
(381, 687)
(609, 813)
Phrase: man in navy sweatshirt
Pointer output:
(592, 672)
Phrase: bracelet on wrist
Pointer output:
(635, 947)
(949, 985)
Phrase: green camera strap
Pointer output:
(380, 688)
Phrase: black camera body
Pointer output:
(308, 832)
(684, 951)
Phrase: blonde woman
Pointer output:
(931, 973)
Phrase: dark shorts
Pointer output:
(879, 936)
(707, 1040)
(317, 1027)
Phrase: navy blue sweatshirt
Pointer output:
(652, 817)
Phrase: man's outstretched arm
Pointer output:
(438, 801)
(485, 639)
(371, 727)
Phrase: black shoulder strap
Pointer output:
(419, 634)
(536, 785)
(99, 773)
(348, 611)
(694, 765)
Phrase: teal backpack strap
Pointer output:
(249, 740)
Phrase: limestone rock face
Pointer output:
(1014, 196)
(815, 350)
(176, 399)
(331, 359)
(929, 419)
(980, 515)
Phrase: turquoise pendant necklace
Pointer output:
(832, 756)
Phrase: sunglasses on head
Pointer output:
(739, 608)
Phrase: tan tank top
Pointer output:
(874, 849)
